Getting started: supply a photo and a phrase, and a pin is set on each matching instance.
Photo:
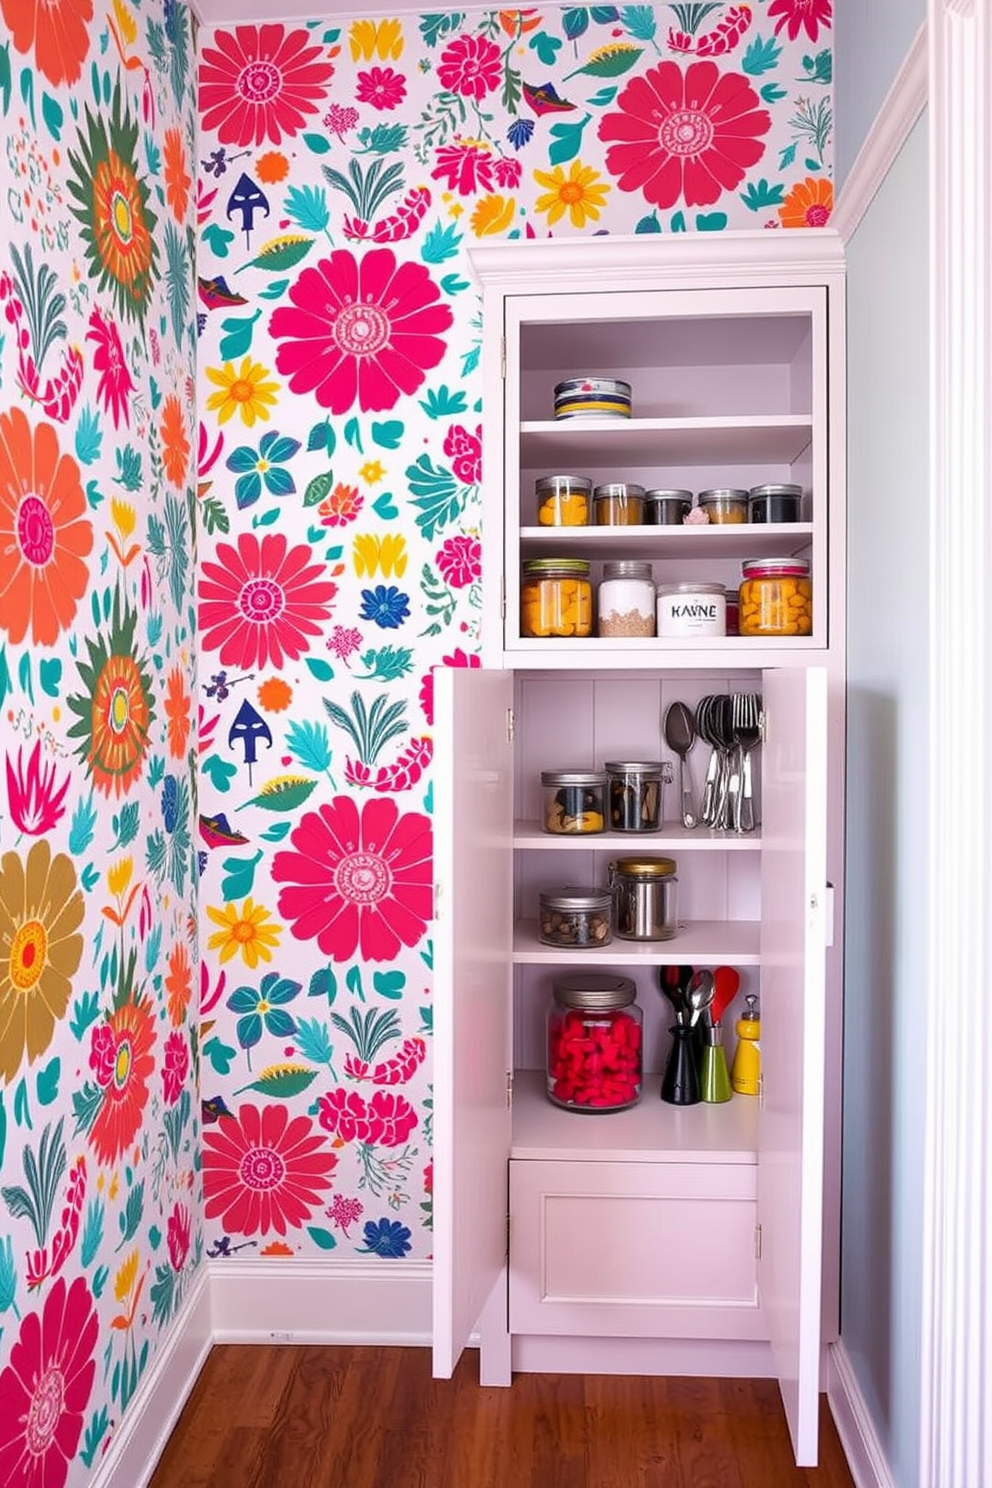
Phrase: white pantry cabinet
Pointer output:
(698, 1239)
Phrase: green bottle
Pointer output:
(714, 1078)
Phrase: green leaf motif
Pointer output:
(440, 244)
(575, 23)
(320, 487)
(237, 342)
(307, 207)
(389, 984)
(640, 21)
(283, 794)
(281, 1081)
(221, 1055)
(711, 221)
(239, 877)
(611, 61)
(760, 195)
(436, 495)
(322, 436)
(388, 435)
(309, 743)
(318, 143)
(761, 56)
(453, 284)
(280, 253)
(323, 983)
(567, 141)
(89, 436)
(313, 1041)
(648, 224)
(772, 92)
(275, 290)
(604, 97)
(47, 1082)
(219, 772)
(277, 831)
(50, 675)
(85, 1011)
(320, 669)
(267, 519)
(443, 403)
(385, 507)
(322, 1238)
(546, 47)
(217, 239)
(134, 1208)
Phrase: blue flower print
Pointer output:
(388, 607)
(261, 1007)
(255, 468)
(386, 1237)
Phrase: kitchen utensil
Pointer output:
(680, 1082)
(680, 735)
(714, 1076)
(706, 729)
(674, 983)
(745, 1076)
(699, 995)
(726, 984)
(746, 718)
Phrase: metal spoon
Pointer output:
(680, 735)
(700, 995)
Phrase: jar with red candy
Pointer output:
(595, 1038)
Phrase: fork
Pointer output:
(745, 715)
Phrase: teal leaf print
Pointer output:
(318, 143)
(367, 189)
(639, 21)
(24, 677)
(313, 1041)
(100, 1278)
(177, 280)
(318, 488)
(440, 244)
(277, 831)
(50, 675)
(567, 141)
(760, 195)
(6, 682)
(353, 435)
(575, 23)
(47, 1082)
(92, 1232)
(434, 28)
(604, 97)
(385, 507)
(217, 239)
(436, 495)
(691, 16)
(772, 92)
(322, 437)
(134, 1208)
(648, 224)
(387, 664)
(239, 877)
(711, 221)
(221, 1056)
(22, 1113)
(281, 1081)
(323, 983)
(27, 93)
(322, 670)
(369, 729)
(604, 15)
(275, 290)
(383, 139)
(678, 222)
(309, 744)
(128, 468)
(546, 47)
(5, 77)
(322, 1238)
(389, 984)
(52, 114)
(609, 61)
(83, 826)
(307, 207)
(89, 878)
(8, 1273)
(786, 157)
(280, 253)
(125, 824)
(237, 341)
(388, 435)
(95, 1431)
(213, 516)
(85, 1011)
(452, 284)
(219, 772)
(761, 56)
(443, 403)
(162, 1294)
(819, 69)
(247, 490)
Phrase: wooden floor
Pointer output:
(343, 1417)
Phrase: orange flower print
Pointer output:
(177, 177)
(178, 983)
(45, 534)
(122, 1060)
(275, 695)
(58, 30)
(175, 443)
(808, 204)
(272, 167)
(341, 506)
(177, 711)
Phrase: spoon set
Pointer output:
(693, 1074)
(730, 723)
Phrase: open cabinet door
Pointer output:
(473, 879)
(793, 993)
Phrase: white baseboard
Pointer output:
(700, 1357)
(855, 1427)
(137, 1444)
(304, 1301)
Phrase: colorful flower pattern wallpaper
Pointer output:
(240, 464)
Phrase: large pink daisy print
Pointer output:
(358, 883)
(261, 603)
(260, 83)
(365, 329)
(684, 137)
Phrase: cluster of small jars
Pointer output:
(573, 501)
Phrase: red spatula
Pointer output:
(726, 983)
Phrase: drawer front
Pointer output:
(633, 1250)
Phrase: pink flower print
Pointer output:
(808, 15)
(465, 452)
(381, 87)
(177, 1233)
(385, 1121)
(260, 83)
(471, 67)
(114, 384)
(175, 1067)
(262, 602)
(465, 166)
(460, 561)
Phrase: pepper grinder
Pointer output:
(714, 1078)
(745, 1076)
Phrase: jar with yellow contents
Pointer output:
(555, 597)
(776, 597)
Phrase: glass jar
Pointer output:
(733, 611)
(666, 508)
(776, 597)
(618, 504)
(574, 801)
(775, 503)
(626, 599)
(645, 893)
(726, 505)
(594, 1043)
(692, 609)
(562, 500)
(636, 794)
(555, 597)
(574, 918)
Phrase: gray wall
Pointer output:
(870, 40)
(886, 926)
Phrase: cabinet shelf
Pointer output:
(672, 835)
(601, 443)
(744, 540)
(649, 1131)
(701, 942)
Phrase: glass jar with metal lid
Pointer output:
(724, 505)
(563, 500)
(574, 918)
(645, 891)
(666, 507)
(594, 1043)
(618, 504)
(555, 597)
(626, 599)
(574, 801)
(775, 503)
(776, 597)
(636, 794)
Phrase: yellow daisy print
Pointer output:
(244, 391)
(581, 194)
(243, 932)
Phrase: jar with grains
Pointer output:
(574, 801)
(776, 597)
(626, 599)
(667, 508)
(575, 918)
(618, 504)
(555, 597)
(636, 794)
(594, 1043)
(562, 500)
(725, 505)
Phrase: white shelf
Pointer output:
(717, 540)
(699, 942)
(672, 835)
(653, 1130)
(600, 443)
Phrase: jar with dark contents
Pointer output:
(667, 507)
(772, 503)
(575, 918)
(563, 500)
(574, 801)
(618, 504)
(635, 794)
(594, 1043)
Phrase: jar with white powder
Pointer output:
(626, 599)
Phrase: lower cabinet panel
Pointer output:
(662, 1250)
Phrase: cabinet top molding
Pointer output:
(763, 257)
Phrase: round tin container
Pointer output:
(563, 500)
(575, 917)
(666, 508)
(592, 397)
(636, 794)
(574, 801)
(618, 504)
(644, 898)
(775, 503)
(692, 609)
(726, 506)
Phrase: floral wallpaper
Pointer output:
(344, 168)
(100, 1193)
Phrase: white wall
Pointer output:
(886, 944)
(870, 39)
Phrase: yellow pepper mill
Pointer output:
(745, 1076)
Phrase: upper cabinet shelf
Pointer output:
(600, 444)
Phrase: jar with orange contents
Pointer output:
(776, 597)
(555, 597)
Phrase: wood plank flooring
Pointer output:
(355, 1417)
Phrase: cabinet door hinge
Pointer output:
(763, 726)
(509, 1089)
(761, 1090)
(507, 1235)
(502, 598)
(437, 900)
(757, 1242)
(510, 726)
(502, 357)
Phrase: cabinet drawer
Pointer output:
(633, 1249)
